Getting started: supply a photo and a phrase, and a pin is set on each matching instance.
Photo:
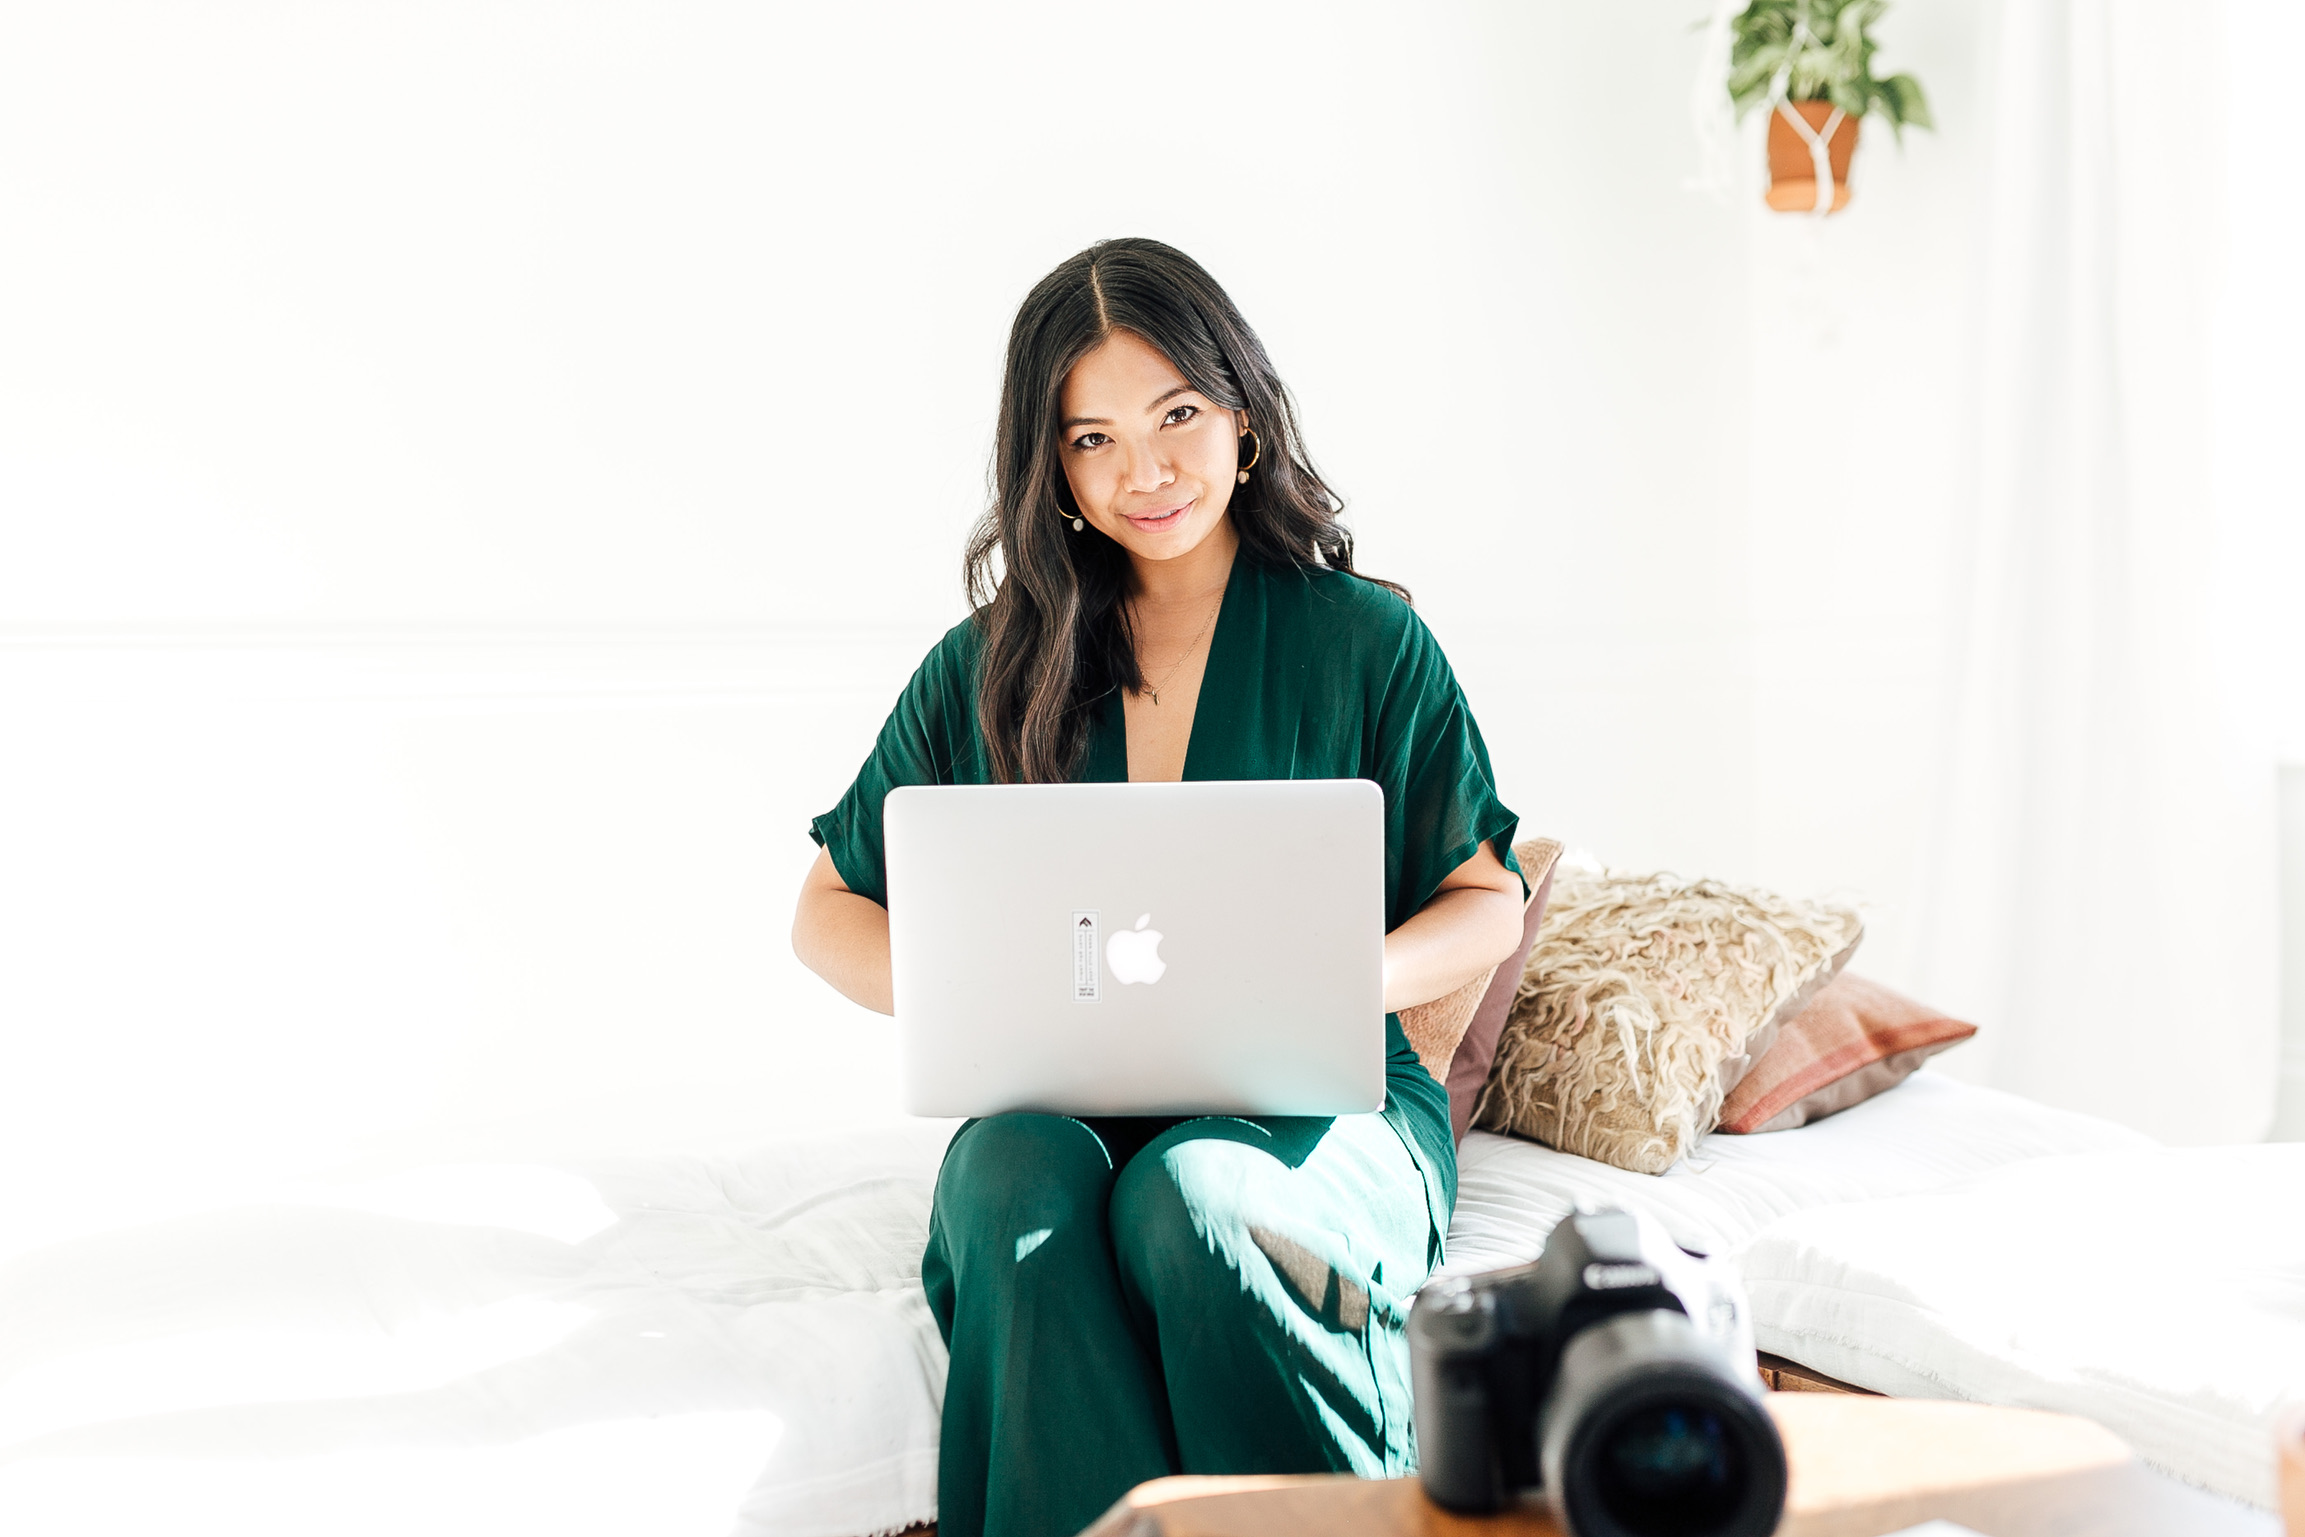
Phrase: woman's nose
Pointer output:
(1147, 469)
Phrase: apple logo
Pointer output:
(1134, 954)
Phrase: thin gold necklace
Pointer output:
(1152, 691)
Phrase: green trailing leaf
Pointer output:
(1818, 50)
(1902, 100)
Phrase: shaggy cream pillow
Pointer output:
(1644, 999)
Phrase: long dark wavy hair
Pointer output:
(1052, 606)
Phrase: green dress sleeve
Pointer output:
(930, 738)
(1441, 800)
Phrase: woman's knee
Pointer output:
(1201, 1220)
(1022, 1171)
(1181, 1218)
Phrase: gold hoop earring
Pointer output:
(1242, 477)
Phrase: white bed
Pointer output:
(1930, 1130)
(682, 1347)
(2159, 1292)
(674, 1346)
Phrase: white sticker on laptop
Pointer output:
(1087, 975)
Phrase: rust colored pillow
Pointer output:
(1855, 1039)
(1477, 1048)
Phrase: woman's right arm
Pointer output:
(843, 937)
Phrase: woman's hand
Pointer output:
(843, 937)
(1467, 926)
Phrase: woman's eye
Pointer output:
(1090, 440)
(1180, 414)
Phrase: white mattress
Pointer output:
(1928, 1131)
(681, 1346)
(2159, 1292)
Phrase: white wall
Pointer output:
(472, 479)
(2289, 1114)
(2261, 400)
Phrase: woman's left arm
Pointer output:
(1465, 928)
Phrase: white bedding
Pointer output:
(677, 1346)
(1928, 1131)
(683, 1347)
(2160, 1292)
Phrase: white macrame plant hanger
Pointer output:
(1818, 139)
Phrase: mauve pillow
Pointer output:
(1477, 1048)
(1855, 1039)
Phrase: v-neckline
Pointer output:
(1108, 759)
(1211, 672)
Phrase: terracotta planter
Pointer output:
(1793, 171)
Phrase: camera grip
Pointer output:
(1456, 1452)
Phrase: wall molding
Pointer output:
(288, 635)
(457, 665)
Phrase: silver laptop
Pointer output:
(1139, 949)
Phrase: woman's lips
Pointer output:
(1160, 521)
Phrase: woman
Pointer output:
(1175, 599)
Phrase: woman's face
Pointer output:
(1150, 459)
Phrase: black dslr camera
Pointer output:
(1616, 1374)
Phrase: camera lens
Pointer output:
(1651, 1431)
(1669, 1470)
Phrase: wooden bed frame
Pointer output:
(1785, 1376)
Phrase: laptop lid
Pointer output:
(1139, 949)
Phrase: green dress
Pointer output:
(1126, 1298)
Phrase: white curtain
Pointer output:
(2100, 884)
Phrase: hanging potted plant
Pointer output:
(1809, 63)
